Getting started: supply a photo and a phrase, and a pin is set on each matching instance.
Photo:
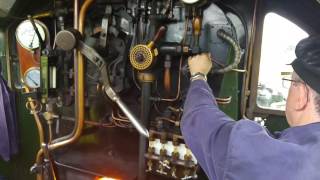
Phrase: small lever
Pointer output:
(196, 24)
(161, 31)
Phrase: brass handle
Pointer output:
(161, 31)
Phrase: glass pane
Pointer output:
(280, 37)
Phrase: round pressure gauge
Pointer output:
(27, 36)
(32, 77)
(190, 1)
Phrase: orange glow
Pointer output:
(105, 178)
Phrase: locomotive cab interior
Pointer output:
(99, 85)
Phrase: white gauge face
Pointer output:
(27, 36)
(190, 1)
(32, 78)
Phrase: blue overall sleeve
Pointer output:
(203, 131)
(8, 122)
(243, 150)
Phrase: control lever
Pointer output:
(70, 39)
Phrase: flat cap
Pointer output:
(307, 63)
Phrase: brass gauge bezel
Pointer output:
(25, 76)
(41, 28)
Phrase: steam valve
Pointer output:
(142, 57)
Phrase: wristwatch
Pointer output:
(198, 75)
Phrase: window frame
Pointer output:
(253, 109)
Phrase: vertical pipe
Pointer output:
(144, 116)
(75, 59)
(179, 84)
(79, 85)
(36, 117)
(79, 88)
(40, 129)
(75, 62)
(167, 75)
(246, 78)
(7, 54)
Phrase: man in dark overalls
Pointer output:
(243, 150)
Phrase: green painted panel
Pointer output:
(3, 54)
(229, 87)
(18, 167)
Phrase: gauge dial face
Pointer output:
(190, 1)
(27, 36)
(32, 78)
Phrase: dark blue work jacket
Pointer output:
(243, 150)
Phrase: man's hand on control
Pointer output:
(200, 64)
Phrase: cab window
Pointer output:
(279, 39)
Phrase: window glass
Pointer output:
(280, 37)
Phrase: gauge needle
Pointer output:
(34, 82)
(32, 40)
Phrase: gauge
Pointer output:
(190, 1)
(27, 36)
(32, 77)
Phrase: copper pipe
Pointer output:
(79, 88)
(40, 131)
(90, 123)
(121, 116)
(180, 65)
(39, 159)
(36, 117)
(50, 132)
(177, 123)
(119, 119)
(75, 62)
(77, 131)
(38, 122)
(167, 76)
(167, 81)
(79, 79)
(179, 85)
(43, 15)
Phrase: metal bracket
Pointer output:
(91, 54)
(104, 26)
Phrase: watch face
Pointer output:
(32, 78)
(27, 36)
(190, 1)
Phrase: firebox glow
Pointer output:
(105, 178)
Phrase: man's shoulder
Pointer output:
(249, 126)
(251, 146)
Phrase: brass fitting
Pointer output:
(146, 77)
(142, 56)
